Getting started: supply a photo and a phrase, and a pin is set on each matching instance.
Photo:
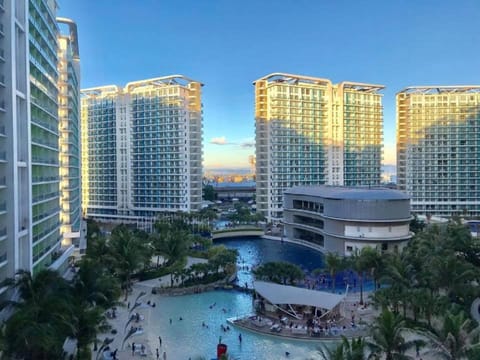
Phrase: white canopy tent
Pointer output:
(278, 294)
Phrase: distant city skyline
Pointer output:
(227, 45)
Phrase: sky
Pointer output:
(228, 44)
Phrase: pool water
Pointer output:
(257, 251)
(187, 338)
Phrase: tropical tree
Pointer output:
(388, 336)
(95, 285)
(87, 321)
(130, 252)
(333, 264)
(457, 337)
(362, 261)
(280, 272)
(41, 318)
(400, 279)
(220, 257)
(416, 225)
(353, 349)
(209, 193)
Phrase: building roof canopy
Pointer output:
(350, 193)
(285, 294)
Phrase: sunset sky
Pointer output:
(228, 44)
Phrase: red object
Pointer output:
(221, 349)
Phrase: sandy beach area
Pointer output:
(146, 337)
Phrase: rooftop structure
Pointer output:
(288, 295)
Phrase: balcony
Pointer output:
(61, 256)
(3, 260)
(3, 234)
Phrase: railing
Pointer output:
(41, 160)
(45, 196)
(3, 257)
(45, 232)
(44, 178)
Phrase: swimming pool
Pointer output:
(256, 251)
(187, 338)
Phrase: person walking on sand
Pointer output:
(164, 355)
(160, 341)
(158, 354)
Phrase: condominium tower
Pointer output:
(142, 149)
(69, 131)
(438, 149)
(30, 236)
(311, 132)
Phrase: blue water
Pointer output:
(187, 338)
(257, 251)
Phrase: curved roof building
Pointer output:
(341, 219)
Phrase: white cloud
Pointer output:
(219, 140)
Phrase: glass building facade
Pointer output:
(144, 146)
(69, 131)
(438, 149)
(311, 132)
(43, 48)
(30, 145)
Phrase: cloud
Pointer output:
(249, 143)
(244, 143)
(219, 140)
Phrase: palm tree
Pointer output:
(130, 252)
(87, 321)
(400, 277)
(354, 349)
(361, 261)
(41, 320)
(171, 241)
(451, 273)
(374, 263)
(388, 336)
(333, 263)
(456, 339)
(93, 284)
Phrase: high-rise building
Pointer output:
(142, 149)
(44, 165)
(15, 171)
(69, 131)
(30, 237)
(438, 149)
(311, 132)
